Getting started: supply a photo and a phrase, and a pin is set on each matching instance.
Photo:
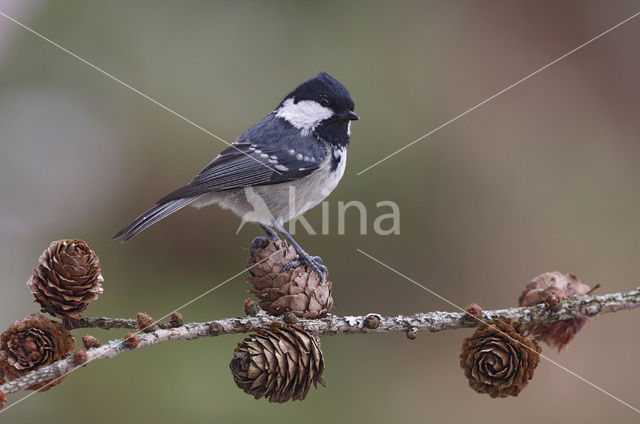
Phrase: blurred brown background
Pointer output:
(544, 177)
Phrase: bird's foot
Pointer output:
(314, 262)
(260, 242)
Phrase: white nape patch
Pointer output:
(304, 115)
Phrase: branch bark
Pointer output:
(571, 307)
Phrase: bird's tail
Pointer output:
(153, 215)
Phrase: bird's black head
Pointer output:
(322, 106)
(325, 90)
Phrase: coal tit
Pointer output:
(281, 167)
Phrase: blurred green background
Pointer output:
(544, 177)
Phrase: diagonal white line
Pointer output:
(498, 93)
(139, 331)
(504, 334)
(86, 62)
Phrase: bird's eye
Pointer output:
(324, 102)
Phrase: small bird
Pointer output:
(281, 167)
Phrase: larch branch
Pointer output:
(571, 307)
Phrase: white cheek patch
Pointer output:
(349, 128)
(304, 115)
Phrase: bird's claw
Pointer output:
(258, 242)
(314, 262)
(316, 259)
(262, 240)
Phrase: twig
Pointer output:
(571, 307)
(108, 323)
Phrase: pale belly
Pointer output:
(278, 203)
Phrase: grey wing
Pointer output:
(251, 164)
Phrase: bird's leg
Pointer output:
(315, 262)
(271, 235)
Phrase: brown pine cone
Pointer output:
(279, 364)
(498, 360)
(67, 278)
(299, 290)
(31, 343)
(550, 288)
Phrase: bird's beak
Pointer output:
(351, 116)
